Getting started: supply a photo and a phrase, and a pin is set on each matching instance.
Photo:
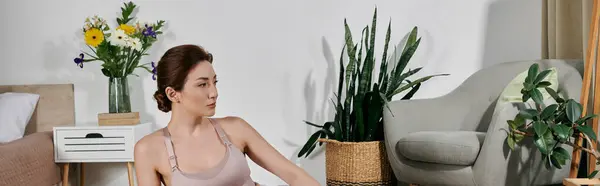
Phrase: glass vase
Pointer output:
(118, 95)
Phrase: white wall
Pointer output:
(272, 57)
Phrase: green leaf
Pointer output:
(395, 83)
(556, 162)
(563, 132)
(543, 84)
(561, 153)
(582, 120)
(412, 92)
(528, 86)
(544, 142)
(548, 111)
(554, 95)
(511, 141)
(537, 96)
(312, 124)
(420, 80)
(528, 113)
(519, 120)
(311, 142)
(587, 130)
(593, 174)
(540, 128)
(573, 110)
(412, 37)
(526, 97)
(541, 76)
(531, 74)
(559, 157)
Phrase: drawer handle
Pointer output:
(94, 135)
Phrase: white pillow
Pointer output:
(15, 112)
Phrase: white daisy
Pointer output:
(119, 38)
(134, 43)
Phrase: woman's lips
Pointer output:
(212, 105)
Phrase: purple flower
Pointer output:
(149, 32)
(79, 60)
(153, 71)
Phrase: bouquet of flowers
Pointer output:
(119, 49)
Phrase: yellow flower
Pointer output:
(127, 28)
(94, 37)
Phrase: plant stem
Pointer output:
(595, 153)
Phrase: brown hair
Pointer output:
(172, 70)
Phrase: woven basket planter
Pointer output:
(357, 163)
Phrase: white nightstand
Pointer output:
(97, 144)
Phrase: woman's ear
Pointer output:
(172, 95)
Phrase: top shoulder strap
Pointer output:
(220, 131)
(170, 151)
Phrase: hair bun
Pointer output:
(164, 104)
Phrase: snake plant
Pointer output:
(361, 98)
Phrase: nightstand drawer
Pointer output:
(94, 144)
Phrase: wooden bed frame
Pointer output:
(56, 106)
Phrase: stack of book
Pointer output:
(112, 119)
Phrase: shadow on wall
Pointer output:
(505, 32)
(316, 112)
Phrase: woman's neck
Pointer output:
(186, 124)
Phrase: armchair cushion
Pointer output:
(442, 147)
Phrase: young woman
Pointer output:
(195, 149)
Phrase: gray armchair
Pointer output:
(459, 138)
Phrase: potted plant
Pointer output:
(355, 153)
(551, 126)
(120, 51)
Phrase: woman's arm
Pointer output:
(263, 154)
(145, 172)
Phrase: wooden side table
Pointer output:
(581, 181)
(97, 144)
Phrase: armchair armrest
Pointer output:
(29, 161)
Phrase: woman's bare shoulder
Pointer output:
(233, 124)
(150, 143)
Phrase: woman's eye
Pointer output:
(202, 85)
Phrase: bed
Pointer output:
(30, 159)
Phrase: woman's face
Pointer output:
(199, 93)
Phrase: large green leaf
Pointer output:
(563, 132)
(537, 96)
(541, 76)
(532, 73)
(573, 110)
(548, 111)
(528, 113)
(587, 130)
(540, 128)
(559, 156)
(544, 142)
